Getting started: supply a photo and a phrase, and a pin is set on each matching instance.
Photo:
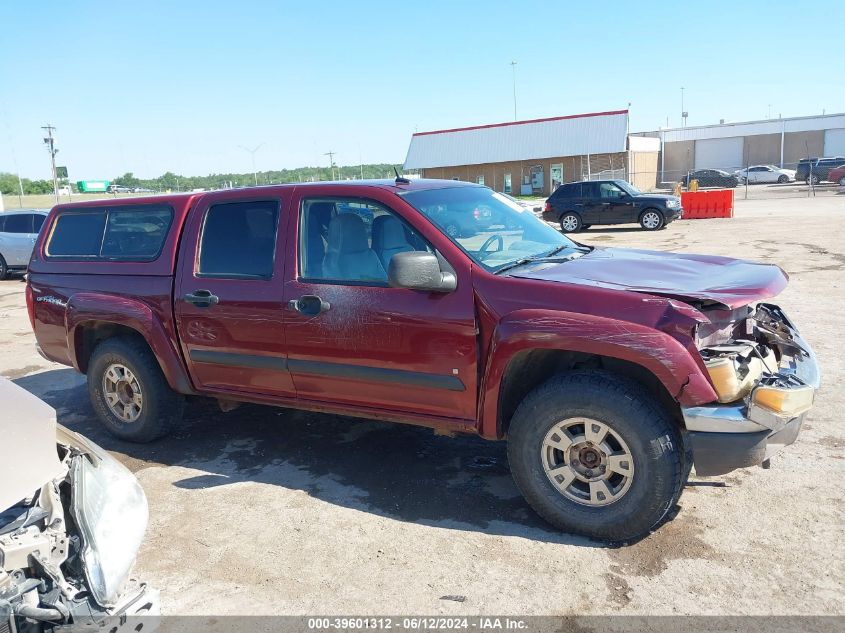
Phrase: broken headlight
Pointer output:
(110, 508)
(783, 394)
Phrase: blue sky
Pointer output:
(157, 86)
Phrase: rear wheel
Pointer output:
(813, 180)
(570, 222)
(4, 269)
(594, 455)
(129, 392)
(783, 179)
(652, 220)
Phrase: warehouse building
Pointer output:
(731, 146)
(534, 157)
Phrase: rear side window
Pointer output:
(18, 223)
(239, 240)
(120, 234)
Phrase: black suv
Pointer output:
(819, 167)
(579, 205)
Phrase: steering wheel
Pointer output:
(484, 250)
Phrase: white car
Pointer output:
(18, 230)
(765, 173)
(72, 519)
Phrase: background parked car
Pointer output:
(18, 230)
(579, 205)
(765, 173)
(119, 189)
(820, 168)
(837, 174)
(711, 178)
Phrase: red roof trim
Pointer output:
(553, 118)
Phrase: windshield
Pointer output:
(496, 232)
(628, 187)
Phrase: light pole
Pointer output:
(683, 112)
(513, 72)
(49, 141)
(252, 152)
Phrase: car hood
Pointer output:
(729, 282)
(655, 196)
(28, 457)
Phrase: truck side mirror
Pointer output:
(418, 270)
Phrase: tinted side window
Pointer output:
(77, 235)
(18, 223)
(134, 233)
(38, 222)
(239, 240)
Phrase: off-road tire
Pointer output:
(660, 464)
(162, 408)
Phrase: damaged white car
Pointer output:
(71, 521)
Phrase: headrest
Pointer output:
(347, 234)
(388, 233)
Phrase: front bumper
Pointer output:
(724, 437)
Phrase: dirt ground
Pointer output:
(270, 511)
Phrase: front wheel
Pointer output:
(783, 179)
(593, 455)
(129, 392)
(813, 180)
(651, 220)
(842, 181)
(570, 223)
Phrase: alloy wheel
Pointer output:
(651, 220)
(587, 461)
(122, 392)
(569, 223)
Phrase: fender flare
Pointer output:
(85, 307)
(678, 370)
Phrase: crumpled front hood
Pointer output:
(28, 456)
(731, 282)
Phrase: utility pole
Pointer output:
(331, 161)
(252, 152)
(49, 141)
(513, 70)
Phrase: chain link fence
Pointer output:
(797, 179)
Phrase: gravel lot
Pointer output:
(265, 510)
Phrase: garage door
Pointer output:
(719, 153)
(834, 142)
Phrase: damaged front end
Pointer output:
(765, 376)
(67, 546)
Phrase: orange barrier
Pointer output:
(698, 205)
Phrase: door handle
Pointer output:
(202, 298)
(310, 305)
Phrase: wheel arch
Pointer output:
(521, 358)
(92, 318)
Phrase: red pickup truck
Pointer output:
(609, 371)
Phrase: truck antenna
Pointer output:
(399, 179)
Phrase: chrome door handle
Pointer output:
(202, 298)
(309, 305)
